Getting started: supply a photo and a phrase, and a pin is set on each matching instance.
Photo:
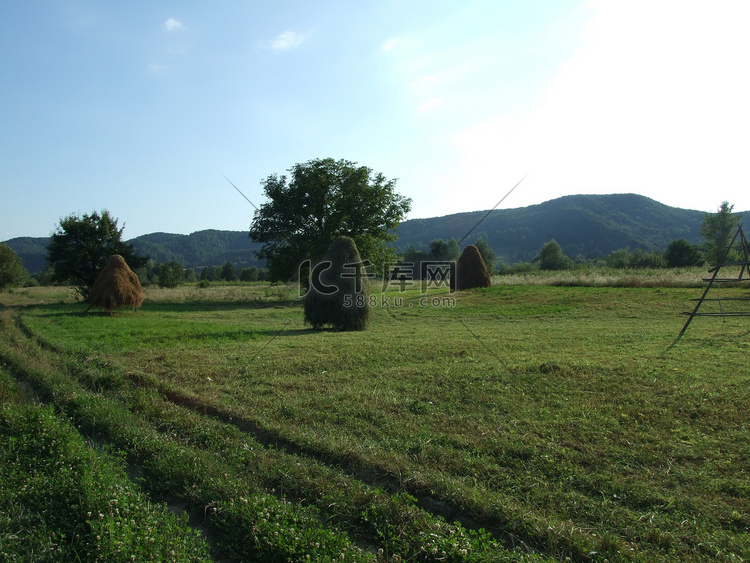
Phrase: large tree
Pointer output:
(718, 229)
(80, 247)
(320, 201)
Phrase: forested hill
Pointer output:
(585, 225)
(202, 248)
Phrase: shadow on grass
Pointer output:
(82, 309)
(212, 306)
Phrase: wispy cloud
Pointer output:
(390, 44)
(431, 104)
(283, 41)
(157, 69)
(173, 25)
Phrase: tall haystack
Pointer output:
(470, 270)
(338, 292)
(116, 286)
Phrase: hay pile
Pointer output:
(470, 270)
(339, 295)
(116, 286)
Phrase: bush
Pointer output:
(517, 268)
(249, 274)
(12, 271)
(488, 255)
(170, 275)
(337, 293)
(638, 259)
(680, 253)
(229, 272)
(552, 257)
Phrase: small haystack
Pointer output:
(470, 270)
(117, 286)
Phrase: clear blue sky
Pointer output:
(141, 107)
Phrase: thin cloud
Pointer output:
(431, 104)
(173, 25)
(157, 69)
(390, 44)
(283, 41)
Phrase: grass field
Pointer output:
(527, 421)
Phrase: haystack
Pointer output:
(116, 286)
(470, 270)
(338, 294)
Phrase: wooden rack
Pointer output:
(744, 275)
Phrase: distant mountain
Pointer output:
(32, 251)
(199, 249)
(584, 225)
(196, 250)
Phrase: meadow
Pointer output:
(544, 418)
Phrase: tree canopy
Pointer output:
(12, 271)
(171, 274)
(718, 229)
(80, 247)
(552, 257)
(320, 201)
(488, 255)
(681, 253)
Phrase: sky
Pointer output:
(146, 108)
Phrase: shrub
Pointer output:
(170, 275)
(229, 272)
(681, 253)
(552, 257)
(12, 271)
(337, 294)
(638, 258)
(249, 274)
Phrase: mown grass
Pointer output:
(62, 500)
(563, 420)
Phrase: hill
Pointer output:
(32, 251)
(584, 225)
(199, 249)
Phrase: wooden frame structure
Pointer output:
(744, 275)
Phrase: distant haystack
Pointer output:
(117, 286)
(470, 270)
(338, 296)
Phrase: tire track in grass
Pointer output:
(235, 524)
(352, 466)
(196, 514)
(378, 477)
(133, 469)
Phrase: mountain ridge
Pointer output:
(584, 225)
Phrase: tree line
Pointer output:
(320, 201)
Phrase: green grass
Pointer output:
(521, 421)
(61, 500)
